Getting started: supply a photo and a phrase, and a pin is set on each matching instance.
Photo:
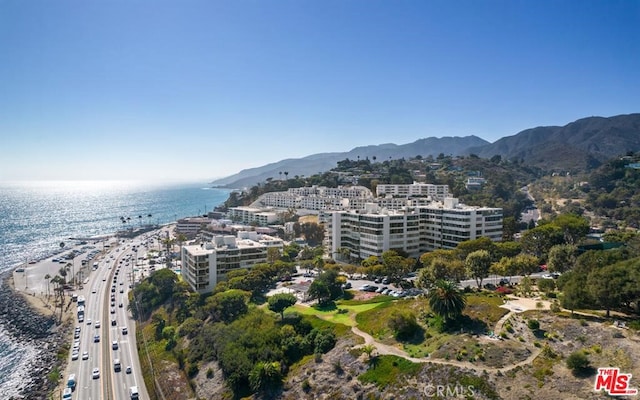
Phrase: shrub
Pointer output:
(577, 361)
(533, 324)
(403, 324)
(508, 327)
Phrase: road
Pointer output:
(106, 318)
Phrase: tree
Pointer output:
(574, 291)
(273, 255)
(508, 249)
(539, 240)
(546, 285)
(525, 286)
(281, 301)
(396, 266)
(159, 323)
(320, 291)
(562, 257)
(526, 264)
(446, 300)
(368, 349)
(227, 306)
(47, 278)
(467, 247)
(614, 285)
(573, 227)
(447, 255)
(478, 264)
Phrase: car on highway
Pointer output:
(114, 345)
(128, 369)
(85, 355)
(97, 324)
(74, 355)
(88, 321)
(95, 374)
(124, 330)
(96, 338)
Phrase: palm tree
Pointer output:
(265, 375)
(286, 174)
(149, 216)
(63, 274)
(446, 300)
(47, 277)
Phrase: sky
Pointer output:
(197, 90)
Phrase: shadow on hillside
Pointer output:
(466, 324)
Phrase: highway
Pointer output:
(108, 330)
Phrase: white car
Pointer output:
(97, 324)
(74, 355)
(85, 355)
(95, 374)
(89, 321)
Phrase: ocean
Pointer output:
(36, 217)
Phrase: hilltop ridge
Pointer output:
(580, 145)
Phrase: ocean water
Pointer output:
(35, 217)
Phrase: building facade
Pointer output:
(414, 230)
(204, 265)
(436, 192)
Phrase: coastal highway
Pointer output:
(108, 331)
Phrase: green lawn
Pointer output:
(341, 314)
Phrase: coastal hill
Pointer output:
(321, 162)
(578, 146)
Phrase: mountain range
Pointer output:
(578, 146)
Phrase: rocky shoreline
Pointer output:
(27, 327)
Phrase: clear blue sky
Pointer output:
(191, 90)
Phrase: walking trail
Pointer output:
(514, 305)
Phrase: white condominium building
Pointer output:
(315, 197)
(437, 192)
(204, 265)
(252, 215)
(415, 230)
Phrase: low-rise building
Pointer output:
(191, 226)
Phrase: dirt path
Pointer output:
(384, 349)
